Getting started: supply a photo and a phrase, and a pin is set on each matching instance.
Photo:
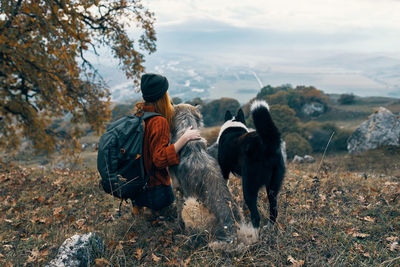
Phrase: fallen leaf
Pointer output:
(394, 246)
(139, 253)
(295, 234)
(367, 255)
(101, 262)
(360, 235)
(369, 219)
(155, 257)
(295, 263)
(57, 211)
(353, 232)
(80, 223)
(392, 238)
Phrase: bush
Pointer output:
(346, 99)
(122, 110)
(295, 98)
(320, 133)
(285, 119)
(296, 145)
(176, 100)
(195, 101)
(214, 111)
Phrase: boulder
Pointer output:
(381, 129)
(79, 251)
(313, 109)
(298, 159)
(309, 159)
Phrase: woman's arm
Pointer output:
(190, 134)
(163, 154)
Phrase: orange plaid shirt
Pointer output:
(157, 151)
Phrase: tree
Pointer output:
(44, 70)
(347, 99)
(214, 111)
(176, 100)
(285, 119)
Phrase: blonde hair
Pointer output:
(162, 106)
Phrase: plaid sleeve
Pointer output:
(163, 154)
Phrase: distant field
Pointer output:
(351, 116)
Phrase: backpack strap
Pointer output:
(147, 115)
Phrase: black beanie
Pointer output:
(153, 86)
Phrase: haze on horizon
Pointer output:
(337, 46)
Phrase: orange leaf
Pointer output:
(295, 263)
(369, 219)
(57, 211)
(101, 262)
(155, 257)
(139, 253)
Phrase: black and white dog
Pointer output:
(254, 155)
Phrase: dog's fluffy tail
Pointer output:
(265, 126)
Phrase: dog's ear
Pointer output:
(199, 107)
(240, 116)
(228, 115)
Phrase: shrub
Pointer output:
(296, 145)
(195, 101)
(285, 119)
(122, 110)
(320, 133)
(346, 99)
(214, 111)
(176, 100)
(295, 98)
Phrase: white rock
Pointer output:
(309, 159)
(78, 251)
(298, 159)
(381, 129)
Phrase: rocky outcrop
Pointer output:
(78, 251)
(313, 109)
(305, 159)
(381, 129)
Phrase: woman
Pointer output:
(158, 154)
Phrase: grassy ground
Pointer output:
(329, 215)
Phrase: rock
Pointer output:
(309, 159)
(381, 129)
(313, 109)
(298, 159)
(79, 251)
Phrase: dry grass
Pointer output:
(335, 217)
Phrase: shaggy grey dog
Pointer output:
(198, 174)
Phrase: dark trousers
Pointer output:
(155, 198)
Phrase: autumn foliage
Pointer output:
(329, 216)
(44, 70)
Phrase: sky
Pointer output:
(375, 24)
(338, 46)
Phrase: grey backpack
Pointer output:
(119, 158)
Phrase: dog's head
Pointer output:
(185, 116)
(237, 121)
(238, 118)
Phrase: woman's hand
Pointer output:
(190, 134)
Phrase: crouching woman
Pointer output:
(158, 153)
